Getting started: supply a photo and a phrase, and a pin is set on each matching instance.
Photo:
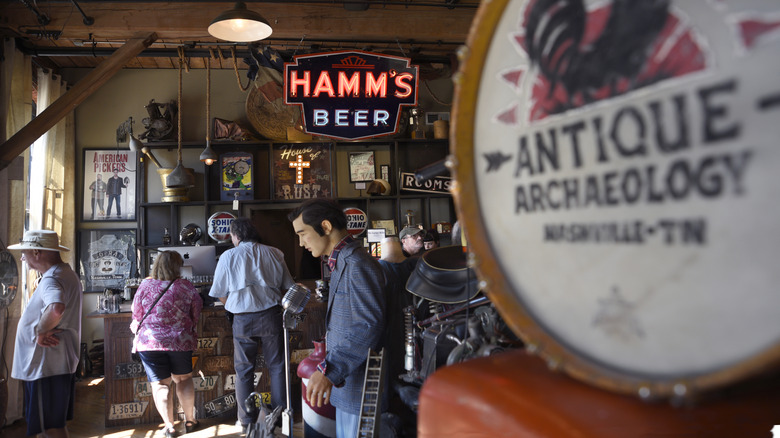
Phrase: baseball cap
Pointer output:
(408, 231)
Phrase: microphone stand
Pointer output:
(293, 303)
(289, 322)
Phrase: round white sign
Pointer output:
(357, 221)
(628, 159)
(219, 226)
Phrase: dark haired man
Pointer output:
(250, 280)
(356, 306)
(114, 189)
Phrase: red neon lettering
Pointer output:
(400, 82)
(376, 86)
(295, 83)
(349, 86)
(324, 85)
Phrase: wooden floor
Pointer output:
(89, 421)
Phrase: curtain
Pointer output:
(51, 204)
(15, 113)
(54, 156)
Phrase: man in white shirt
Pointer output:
(250, 280)
(48, 337)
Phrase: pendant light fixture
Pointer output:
(208, 155)
(240, 25)
(179, 176)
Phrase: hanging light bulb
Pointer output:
(208, 155)
(240, 25)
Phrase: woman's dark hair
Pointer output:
(244, 230)
(316, 210)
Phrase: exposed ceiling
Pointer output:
(57, 35)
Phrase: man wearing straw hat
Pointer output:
(48, 337)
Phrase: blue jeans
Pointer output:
(249, 331)
(111, 199)
(346, 424)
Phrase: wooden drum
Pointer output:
(616, 167)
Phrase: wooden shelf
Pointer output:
(402, 155)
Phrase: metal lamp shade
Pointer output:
(208, 155)
(240, 25)
(180, 177)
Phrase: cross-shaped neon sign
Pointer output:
(299, 164)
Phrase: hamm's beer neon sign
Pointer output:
(350, 95)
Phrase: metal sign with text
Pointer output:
(437, 184)
(350, 95)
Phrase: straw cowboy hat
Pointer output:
(42, 240)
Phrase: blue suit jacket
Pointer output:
(355, 323)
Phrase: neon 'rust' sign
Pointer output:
(350, 95)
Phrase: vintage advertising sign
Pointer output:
(237, 176)
(618, 185)
(219, 226)
(352, 94)
(437, 184)
(302, 170)
(357, 221)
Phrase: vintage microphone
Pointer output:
(293, 302)
(296, 298)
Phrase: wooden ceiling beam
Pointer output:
(72, 98)
(187, 21)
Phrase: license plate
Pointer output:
(205, 383)
(230, 381)
(207, 344)
(121, 411)
(220, 405)
(265, 397)
(143, 389)
(128, 370)
(218, 363)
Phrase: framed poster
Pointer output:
(106, 258)
(361, 166)
(302, 171)
(237, 176)
(109, 185)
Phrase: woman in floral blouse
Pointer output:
(167, 336)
